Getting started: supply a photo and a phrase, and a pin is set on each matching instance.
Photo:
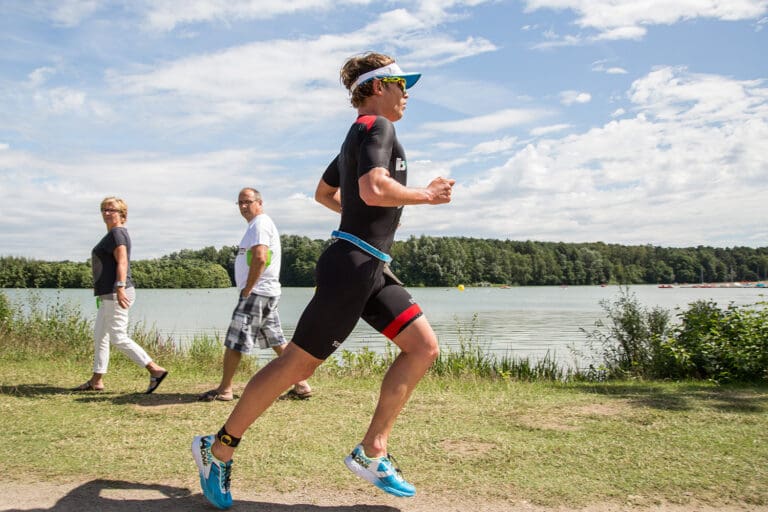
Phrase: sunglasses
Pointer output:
(394, 80)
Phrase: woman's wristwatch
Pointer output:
(119, 284)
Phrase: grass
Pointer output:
(495, 430)
(544, 442)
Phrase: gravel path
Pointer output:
(116, 496)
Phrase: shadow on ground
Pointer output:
(735, 399)
(119, 496)
(117, 398)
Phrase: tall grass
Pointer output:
(61, 329)
(633, 342)
(57, 329)
(473, 358)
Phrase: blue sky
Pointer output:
(630, 122)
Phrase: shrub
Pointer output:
(722, 345)
(632, 340)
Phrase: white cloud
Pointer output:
(495, 146)
(601, 66)
(488, 123)
(672, 173)
(571, 97)
(438, 51)
(70, 13)
(282, 81)
(619, 33)
(178, 125)
(61, 100)
(627, 19)
(154, 210)
(546, 130)
(40, 75)
(167, 14)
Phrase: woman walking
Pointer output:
(114, 291)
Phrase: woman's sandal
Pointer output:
(154, 382)
(87, 386)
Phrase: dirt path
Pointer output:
(116, 496)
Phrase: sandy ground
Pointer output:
(116, 496)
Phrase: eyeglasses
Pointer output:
(245, 203)
(109, 210)
(395, 80)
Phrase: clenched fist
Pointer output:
(440, 190)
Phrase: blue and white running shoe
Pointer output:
(381, 472)
(214, 474)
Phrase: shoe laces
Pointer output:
(395, 466)
(226, 474)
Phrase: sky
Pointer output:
(634, 122)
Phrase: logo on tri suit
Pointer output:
(400, 164)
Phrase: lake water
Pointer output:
(520, 321)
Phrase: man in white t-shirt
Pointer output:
(255, 320)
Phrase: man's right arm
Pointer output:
(377, 188)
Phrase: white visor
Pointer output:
(388, 70)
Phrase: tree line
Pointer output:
(431, 261)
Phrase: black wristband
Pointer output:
(226, 439)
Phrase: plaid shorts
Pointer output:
(255, 321)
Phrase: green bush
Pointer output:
(632, 339)
(722, 345)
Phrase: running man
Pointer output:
(366, 182)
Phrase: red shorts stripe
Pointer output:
(394, 328)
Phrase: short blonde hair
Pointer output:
(118, 204)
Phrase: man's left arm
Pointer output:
(328, 196)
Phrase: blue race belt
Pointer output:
(362, 244)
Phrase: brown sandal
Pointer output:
(87, 386)
(295, 395)
(213, 394)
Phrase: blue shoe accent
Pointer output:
(214, 474)
(381, 472)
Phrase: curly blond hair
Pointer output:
(356, 66)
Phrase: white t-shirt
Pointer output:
(261, 231)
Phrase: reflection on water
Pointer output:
(520, 321)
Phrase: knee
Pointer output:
(433, 351)
(301, 372)
(298, 363)
(306, 373)
(429, 350)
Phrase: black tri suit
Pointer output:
(351, 282)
